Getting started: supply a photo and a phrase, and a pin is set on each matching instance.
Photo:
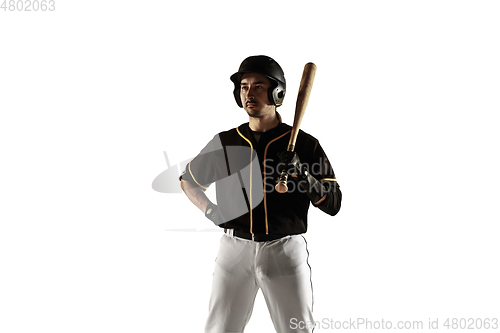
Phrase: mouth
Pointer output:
(251, 104)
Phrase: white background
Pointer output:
(405, 104)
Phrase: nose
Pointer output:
(250, 93)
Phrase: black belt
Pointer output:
(256, 237)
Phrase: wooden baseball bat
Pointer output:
(305, 88)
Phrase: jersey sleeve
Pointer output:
(201, 170)
(322, 170)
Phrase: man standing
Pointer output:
(263, 246)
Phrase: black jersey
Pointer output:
(244, 167)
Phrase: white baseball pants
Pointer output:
(279, 268)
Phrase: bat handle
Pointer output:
(281, 187)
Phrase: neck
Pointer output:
(263, 124)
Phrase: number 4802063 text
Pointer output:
(28, 5)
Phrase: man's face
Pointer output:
(253, 95)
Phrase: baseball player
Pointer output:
(263, 245)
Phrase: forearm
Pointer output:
(332, 202)
(195, 194)
(326, 198)
(320, 200)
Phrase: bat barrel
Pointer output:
(305, 88)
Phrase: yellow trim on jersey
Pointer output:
(265, 154)
(189, 168)
(251, 169)
(329, 179)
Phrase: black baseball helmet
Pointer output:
(268, 67)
